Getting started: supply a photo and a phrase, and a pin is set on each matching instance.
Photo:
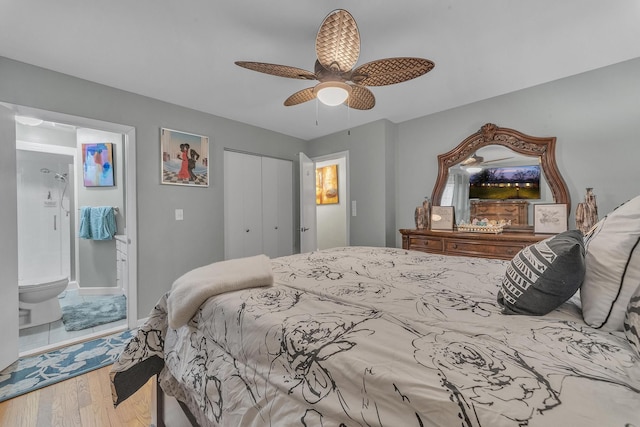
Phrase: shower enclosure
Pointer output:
(45, 214)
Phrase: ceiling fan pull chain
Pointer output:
(348, 119)
(316, 111)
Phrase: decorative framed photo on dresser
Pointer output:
(550, 218)
(442, 218)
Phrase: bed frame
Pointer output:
(166, 411)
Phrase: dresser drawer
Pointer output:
(424, 243)
(502, 250)
(500, 246)
(514, 211)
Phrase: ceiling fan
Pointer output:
(337, 50)
(476, 160)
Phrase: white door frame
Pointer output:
(131, 230)
(308, 228)
(9, 244)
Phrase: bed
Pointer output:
(365, 336)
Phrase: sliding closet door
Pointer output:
(277, 207)
(242, 205)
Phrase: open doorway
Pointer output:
(332, 219)
(51, 186)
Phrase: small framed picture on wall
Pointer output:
(550, 218)
(184, 158)
(327, 185)
(97, 164)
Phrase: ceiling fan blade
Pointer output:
(473, 160)
(361, 98)
(278, 70)
(390, 71)
(299, 97)
(497, 160)
(338, 41)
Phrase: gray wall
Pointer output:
(370, 173)
(97, 258)
(595, 117)
(166, 248)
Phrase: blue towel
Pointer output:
(97, 223)
(103, 223)
(85, 223)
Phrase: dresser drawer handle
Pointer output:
(454, 246)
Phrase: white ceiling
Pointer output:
(183, 52)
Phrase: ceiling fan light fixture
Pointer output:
(473, 169)
(332, 93)
(28, 121)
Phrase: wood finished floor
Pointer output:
(83, 401)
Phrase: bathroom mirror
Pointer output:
(498, 150)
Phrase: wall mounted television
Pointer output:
(512, 182)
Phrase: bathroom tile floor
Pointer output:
(50, 334)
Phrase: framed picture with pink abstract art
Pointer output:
(185, 158)
(97, 164)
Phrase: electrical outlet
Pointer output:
(179, 214)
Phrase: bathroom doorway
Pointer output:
(50, 193)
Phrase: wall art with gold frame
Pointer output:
(327, 185)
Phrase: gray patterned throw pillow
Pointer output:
(632, 321)
(543, 276)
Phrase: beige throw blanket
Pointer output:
(190, 290)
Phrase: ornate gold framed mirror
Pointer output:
(497, 147)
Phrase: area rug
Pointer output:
(97, 310)
(31, 373)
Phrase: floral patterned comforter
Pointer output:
(384, 337)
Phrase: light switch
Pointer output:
(179, 214)
(353, 208)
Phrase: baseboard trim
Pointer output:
(110, 290)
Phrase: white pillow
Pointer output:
(612, 267)
(632, 321)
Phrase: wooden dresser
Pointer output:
(501, 246)
(509, 210)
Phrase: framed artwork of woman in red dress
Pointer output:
(185, 158)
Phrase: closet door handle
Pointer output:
(247, 230)
(55, 227)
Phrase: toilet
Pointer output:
(38, 300)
